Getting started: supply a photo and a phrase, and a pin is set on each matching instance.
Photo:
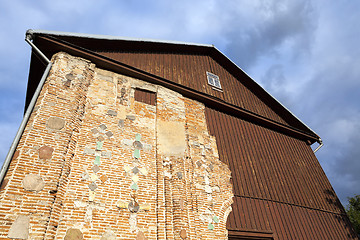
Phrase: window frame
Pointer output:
(213, 79)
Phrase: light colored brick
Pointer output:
(99, 105)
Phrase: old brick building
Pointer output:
(141, 139)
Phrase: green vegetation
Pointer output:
(353, 211)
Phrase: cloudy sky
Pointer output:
(305, 53)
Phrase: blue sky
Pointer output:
(305, 53)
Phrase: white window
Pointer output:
(213, 80)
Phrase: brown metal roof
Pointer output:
(169, 61)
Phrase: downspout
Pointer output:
(29, 37)
(321, 144)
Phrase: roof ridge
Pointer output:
(109, 37)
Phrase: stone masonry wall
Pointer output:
(31, 185)
(93, 163)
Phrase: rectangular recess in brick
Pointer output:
(145, 96)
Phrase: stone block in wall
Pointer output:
(171, 137)
(73, 234)
(55, 123)
(45, 152)
(20, 228)
(33, 182)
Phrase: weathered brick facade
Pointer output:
(94, 163)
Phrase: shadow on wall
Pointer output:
(343, 218)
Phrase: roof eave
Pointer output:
(210, 48)
(108, 37)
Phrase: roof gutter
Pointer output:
(321, 144)
(28, 38)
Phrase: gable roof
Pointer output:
(105, 52)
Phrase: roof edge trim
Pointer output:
(108, 37)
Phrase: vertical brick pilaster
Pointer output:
(78, 81)
(50, 129)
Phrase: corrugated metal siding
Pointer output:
(278, 183)
(190, 70)
(287, 221)
(269, 165)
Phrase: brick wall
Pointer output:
(93, 163)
